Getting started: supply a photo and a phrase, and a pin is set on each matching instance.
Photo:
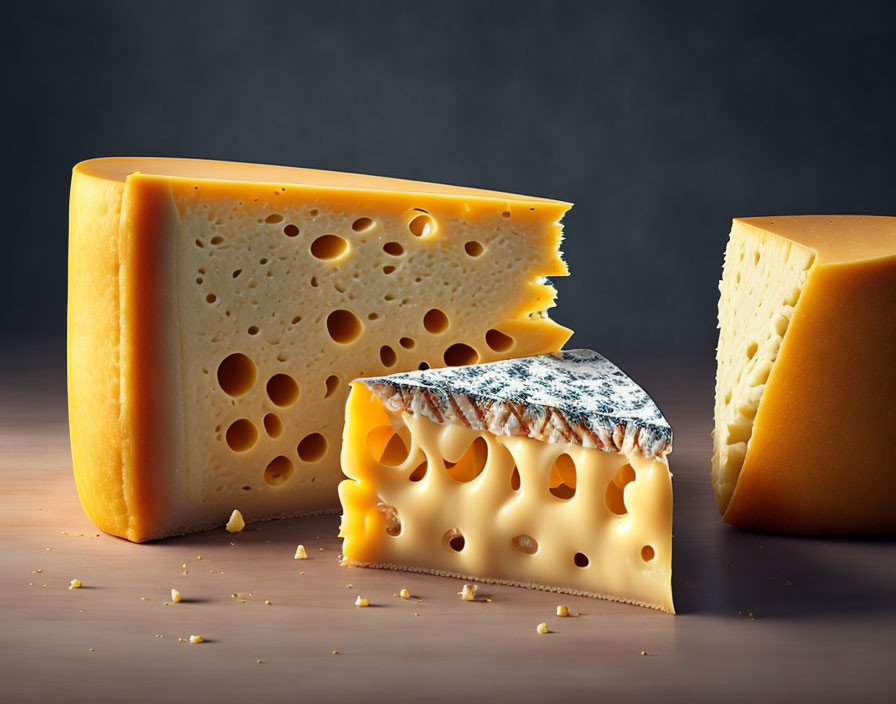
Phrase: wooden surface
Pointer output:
(823, 623)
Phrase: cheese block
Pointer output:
(547, 472)
(218, 312)
(805, 422)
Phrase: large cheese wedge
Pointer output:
(547, 472)
(805, 418)
(218, 311)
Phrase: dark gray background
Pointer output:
(660, 120)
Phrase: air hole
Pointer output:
(344, 326)
(211, 298)
(236, 374)
(526, 544)
(423, 366)
(332, 385)
(199, 243)
(616, 490)
(647, 553)
(563, 477)
(388, 356)
(422, 225)
(372, 316)
(283, 390)
(470, 466)
(386, 446)
(329, 247)
(474, 248)
(312, 448)
(273, 218)
(506, 215)
(237, 272)
(278, 471)
(291, 231)
(198, 279)
(273, 426)
(362, 224)
(752, 348)
(241, 435)
(460, 354)
(314, 283)
(515, 480)
(312, 213)
(407, 342)
(419, 472)
(253, 330)
(580, 559)
(756, 257)
(217, 239)
(498, 341)
(454, 539)
(435, 321)
(391, 519)
(296, 319)
(393, 248)
(388, 270)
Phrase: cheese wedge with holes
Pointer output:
(547, 472)
(218, 312)
(805, 422)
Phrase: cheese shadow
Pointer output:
(746, 575)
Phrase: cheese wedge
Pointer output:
(547, 472)
(218, 311)
(805, 422)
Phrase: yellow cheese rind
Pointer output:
(819, 453)
(528, 536)
(179, 265)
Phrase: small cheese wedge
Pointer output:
(547, 472)
(217, 312)
(805, 423)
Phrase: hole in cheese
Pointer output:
(312, 448)
(388, 270)
(332, 384)
(329, 247)
(616, 489)
(291, 231)
(273, 426)
(283, 390)
(362, 224)
(563, 477)
(391, 519)
(388, 356)
(435, 321)
(236, 374)
(419, 472)
(470, 466)
(344, 326)
(422, 225)
(241, 435)
(474, 248)
(387, 446)
(407, 342)
(393, 248)
(278, 471)
(253, 330)
(273, 218)
(647, 553)
(515, 480)
(525, 544)
(459, 355)
(580, 559)
(498, 341)
(454, 540)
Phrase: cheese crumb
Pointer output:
(75, 584)
(468, 593)
(404, 594)
(542, 628)
(144, 598)
(199, 557)
(236, 522)
(92, 650)
(361, 601)
(563, 610)
(267, 603)
(175, 596)
(335, 652)
(197, 639)
(643, 652)
(36, 571)
(259, 661)
(300, 553)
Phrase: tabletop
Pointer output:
(758, 615)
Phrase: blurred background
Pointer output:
(660, 120)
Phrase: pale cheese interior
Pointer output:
(281, 304)
(450, 500)
(761, 284)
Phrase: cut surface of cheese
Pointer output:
(804, 419)
(218, 312)
(547, 472)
